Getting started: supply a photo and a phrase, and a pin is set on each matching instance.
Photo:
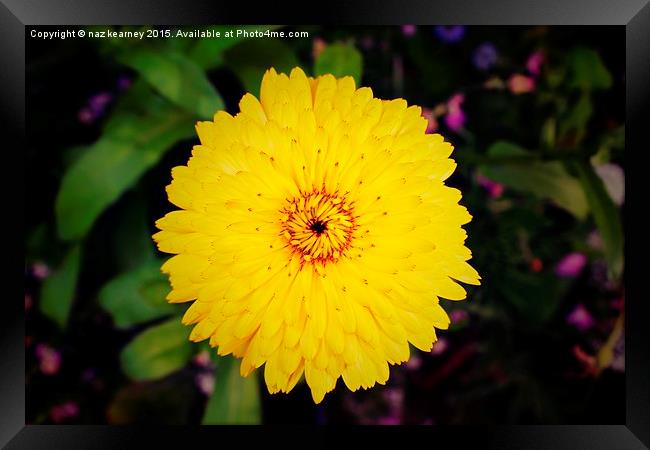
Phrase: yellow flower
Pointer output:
(316, 234)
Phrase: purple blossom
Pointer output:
(453, 33)
(409, 30)
(571, 265)
(485, 56)
(124, 82)
(580, 318)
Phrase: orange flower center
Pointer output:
(318, 226)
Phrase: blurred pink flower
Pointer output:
(318, 46)
(494, 189)
(440, 346)
(67, 410)
(458, 315)
(521, 84)
(414, 362)
(29, 302)
(580, 318)
(409, 30)
(534, 63)
(571, 265)
(595, 240)
(432, 123)
(205, 382)
(389, 420)
(41, 270)
(203, 359)
(49, 359)
(455, 118)
(395, 399)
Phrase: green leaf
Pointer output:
(577, 117)
(132, 244)
(250, 59)
(235, 400)
(208, 53)
(58, 290)
(127, 149)
(606, 216)
(536, 297)
(587, 70)
(157, 351)
(340, 60)
(137, 296)
(546, 180)
(176, 77)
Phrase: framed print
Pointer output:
(395, 220)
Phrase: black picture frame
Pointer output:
(634, 15)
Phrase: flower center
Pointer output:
(318, 226)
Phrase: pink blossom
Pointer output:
(49, 359)
(521, 84)
(595, 240)
(414, 362)
(571, 265)
(67, 410)
(455, 118)
(203, 359)
(432, 123)
(580, 318)
(389, 420)
(534, 63)
(440, 346)
(458, 315)
(318, 46)
(494, 189)
(205, 382)
(41, 270)
(409, 30)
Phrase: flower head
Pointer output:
(453, 33)
(316, 233)
(409, 30)
(485, 56)
(534, 63)
(580, 318)
(455, 118)
(521, 84)
(49, 359)
(571, 265)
